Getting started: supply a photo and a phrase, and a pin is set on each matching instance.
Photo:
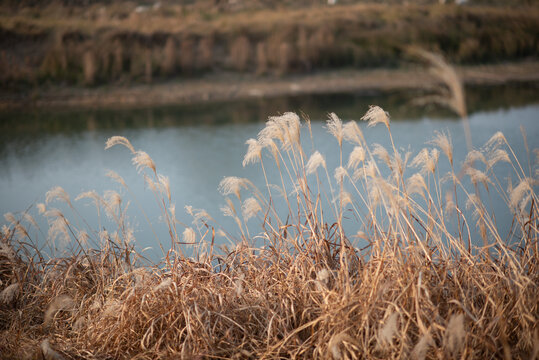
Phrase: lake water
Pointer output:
(196, 146)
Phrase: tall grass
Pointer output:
(295, 282)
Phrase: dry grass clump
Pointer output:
(370, 256)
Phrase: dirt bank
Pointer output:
(229, 87)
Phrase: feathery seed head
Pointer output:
(314, 162)
(250, 208)
(41, 208)
(189, 236)
(10, 293)
(119, 140)
(339, 174)
(48, 352)
(477, 176)
(420, 349)
(163, 285)
(353, 133)
(285, 128)
(416, 184)
(58, 230)
(443, 141)
(388, 330)
(496, 156)
(57, 193)
(454, 335)
(519, 193)
(165, 185)
(382, 154)
(232, 185)
(142, 160)
(254, 152)
(83, 237)
(343, 198)
(376, 115)
(495, 141)
(334, 126)
(59, 303)
(357, 156)
(10, 218)
(116, 177)
(426, 161)
(473, 156)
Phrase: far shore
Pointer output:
(228, 87)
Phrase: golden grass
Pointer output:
(300, 287)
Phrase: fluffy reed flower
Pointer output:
(477, 176)
(163, 285)
(232, 185)
(189, 236)
(10, 218)
(353, 133)
(285, 128)
(357, 156)
(200, 216)
(254, 152)
(495, 141)
(165, 185)
(116, 177)
(59, 303)
(387, 331)
(93, 195)
(450, 205)
(443, 141)
(376, 115)
(420, 349)
(426, 161)
(250, 208)
(228, 211)
(342, 346)
(322, 278)
(58, 230)
(57, 193)
(316, 160)
(496, 156)
(416, 184)
(339, 174)
(113, 201)
(6, 250)
(454, 335)
(48, 352)
(335, 128)
(473, 156)
(518, 194)
(30, 219)
(41, 208)
(10, 293)
(382, 154)
(142, 160)
(119, 140)
(83, 237)
(343, 198)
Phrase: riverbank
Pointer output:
(233, 87)
(124, 45)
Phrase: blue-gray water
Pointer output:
(196, 146)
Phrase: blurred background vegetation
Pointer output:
(96, 42)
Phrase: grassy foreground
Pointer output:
(299, 287)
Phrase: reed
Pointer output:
(293, 281)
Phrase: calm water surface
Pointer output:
(196, 146)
